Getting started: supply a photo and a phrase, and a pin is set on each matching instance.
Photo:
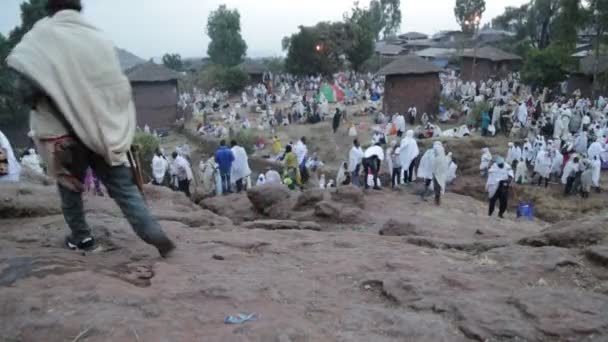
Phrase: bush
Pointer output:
(232, 79)
(147, 144)
(474, 117)
(247, 139)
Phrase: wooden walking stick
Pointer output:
(134, 161)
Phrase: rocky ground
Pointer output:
(316, 266)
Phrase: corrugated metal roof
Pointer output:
(491, 53)
(388, 49)
(253, 68)
(436, 52)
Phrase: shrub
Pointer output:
(474, 117)
(147, 144)
(232, 79)
(247, 139)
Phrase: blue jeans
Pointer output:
(225, 180)
(121, 187)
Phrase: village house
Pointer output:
(411, 81)
(582, 79)
(155, 93)
(487, 62)
(254, 70)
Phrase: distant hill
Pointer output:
(127, 59)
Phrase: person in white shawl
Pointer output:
(408, 153)
(31, 161)
(452, 169)
(596, 171)
(521, 172)
(240, 167)
(569, 176)
(486, 159)
(580, 143)
(522, 113)
(425, 167)
(273, 177)
(160, 165)
(497, 186)
(261, 180)
(355, 158)
(72, 65)
(10, 170)
(595, 150)
(513, 154)
(440, 167)
(542, 166)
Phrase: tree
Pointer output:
(227, 47)
(361, 37)
(12, 111)
(318, 49)
(467, 10)
(173, 61)
(385, 17)
(544, 68)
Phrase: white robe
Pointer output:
(569, 170)
(513, 154)
(596, 167)
(521, 173)
(159, 168)
(409, 150)
(522, 113)
(543, 164)
(32, 162)
(14, 169)
(273, 177)
(240, 166)
(440, 167)
(354, 158)
(486, 159)
(400, 123)
(425, 168)
(595, 150)
(495, 176)
(77, 67)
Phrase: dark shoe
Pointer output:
(377, 188)
(165, 248)
(86, 244)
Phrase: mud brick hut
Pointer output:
(411, 80)
(489, 62)
(155, 94)
(582, 79)
(254, 70)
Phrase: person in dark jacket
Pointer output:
(336, 121)
(224, 158)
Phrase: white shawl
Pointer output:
(240, 166)
(77, 67)
(409, 150)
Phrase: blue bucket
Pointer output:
(526, 211)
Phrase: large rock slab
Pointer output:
(336, 213)
(350, 195)
(237, 207)
(570, 234)
(598, 254)
(28, 200)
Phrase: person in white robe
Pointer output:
(513, 154)
(486, 159)
(439, 167)
(596, 171)
(580, 143)
(542, 166)
(595, 150)
(355, 158)
(10, 169)
(160, 166)
(452, 169)
(521, 172)
(425, 167)
(273, 177)
(31, 161)
(497, 185)
(409, 151)
(568, 176)
(399, 122)
(240, 167)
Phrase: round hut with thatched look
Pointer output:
(411, 81)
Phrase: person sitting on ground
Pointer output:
(10, 169)
(32, 162)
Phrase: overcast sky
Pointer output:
(150, 28)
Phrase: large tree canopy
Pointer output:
(466, 11)
(227, 47)
(173, 61)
